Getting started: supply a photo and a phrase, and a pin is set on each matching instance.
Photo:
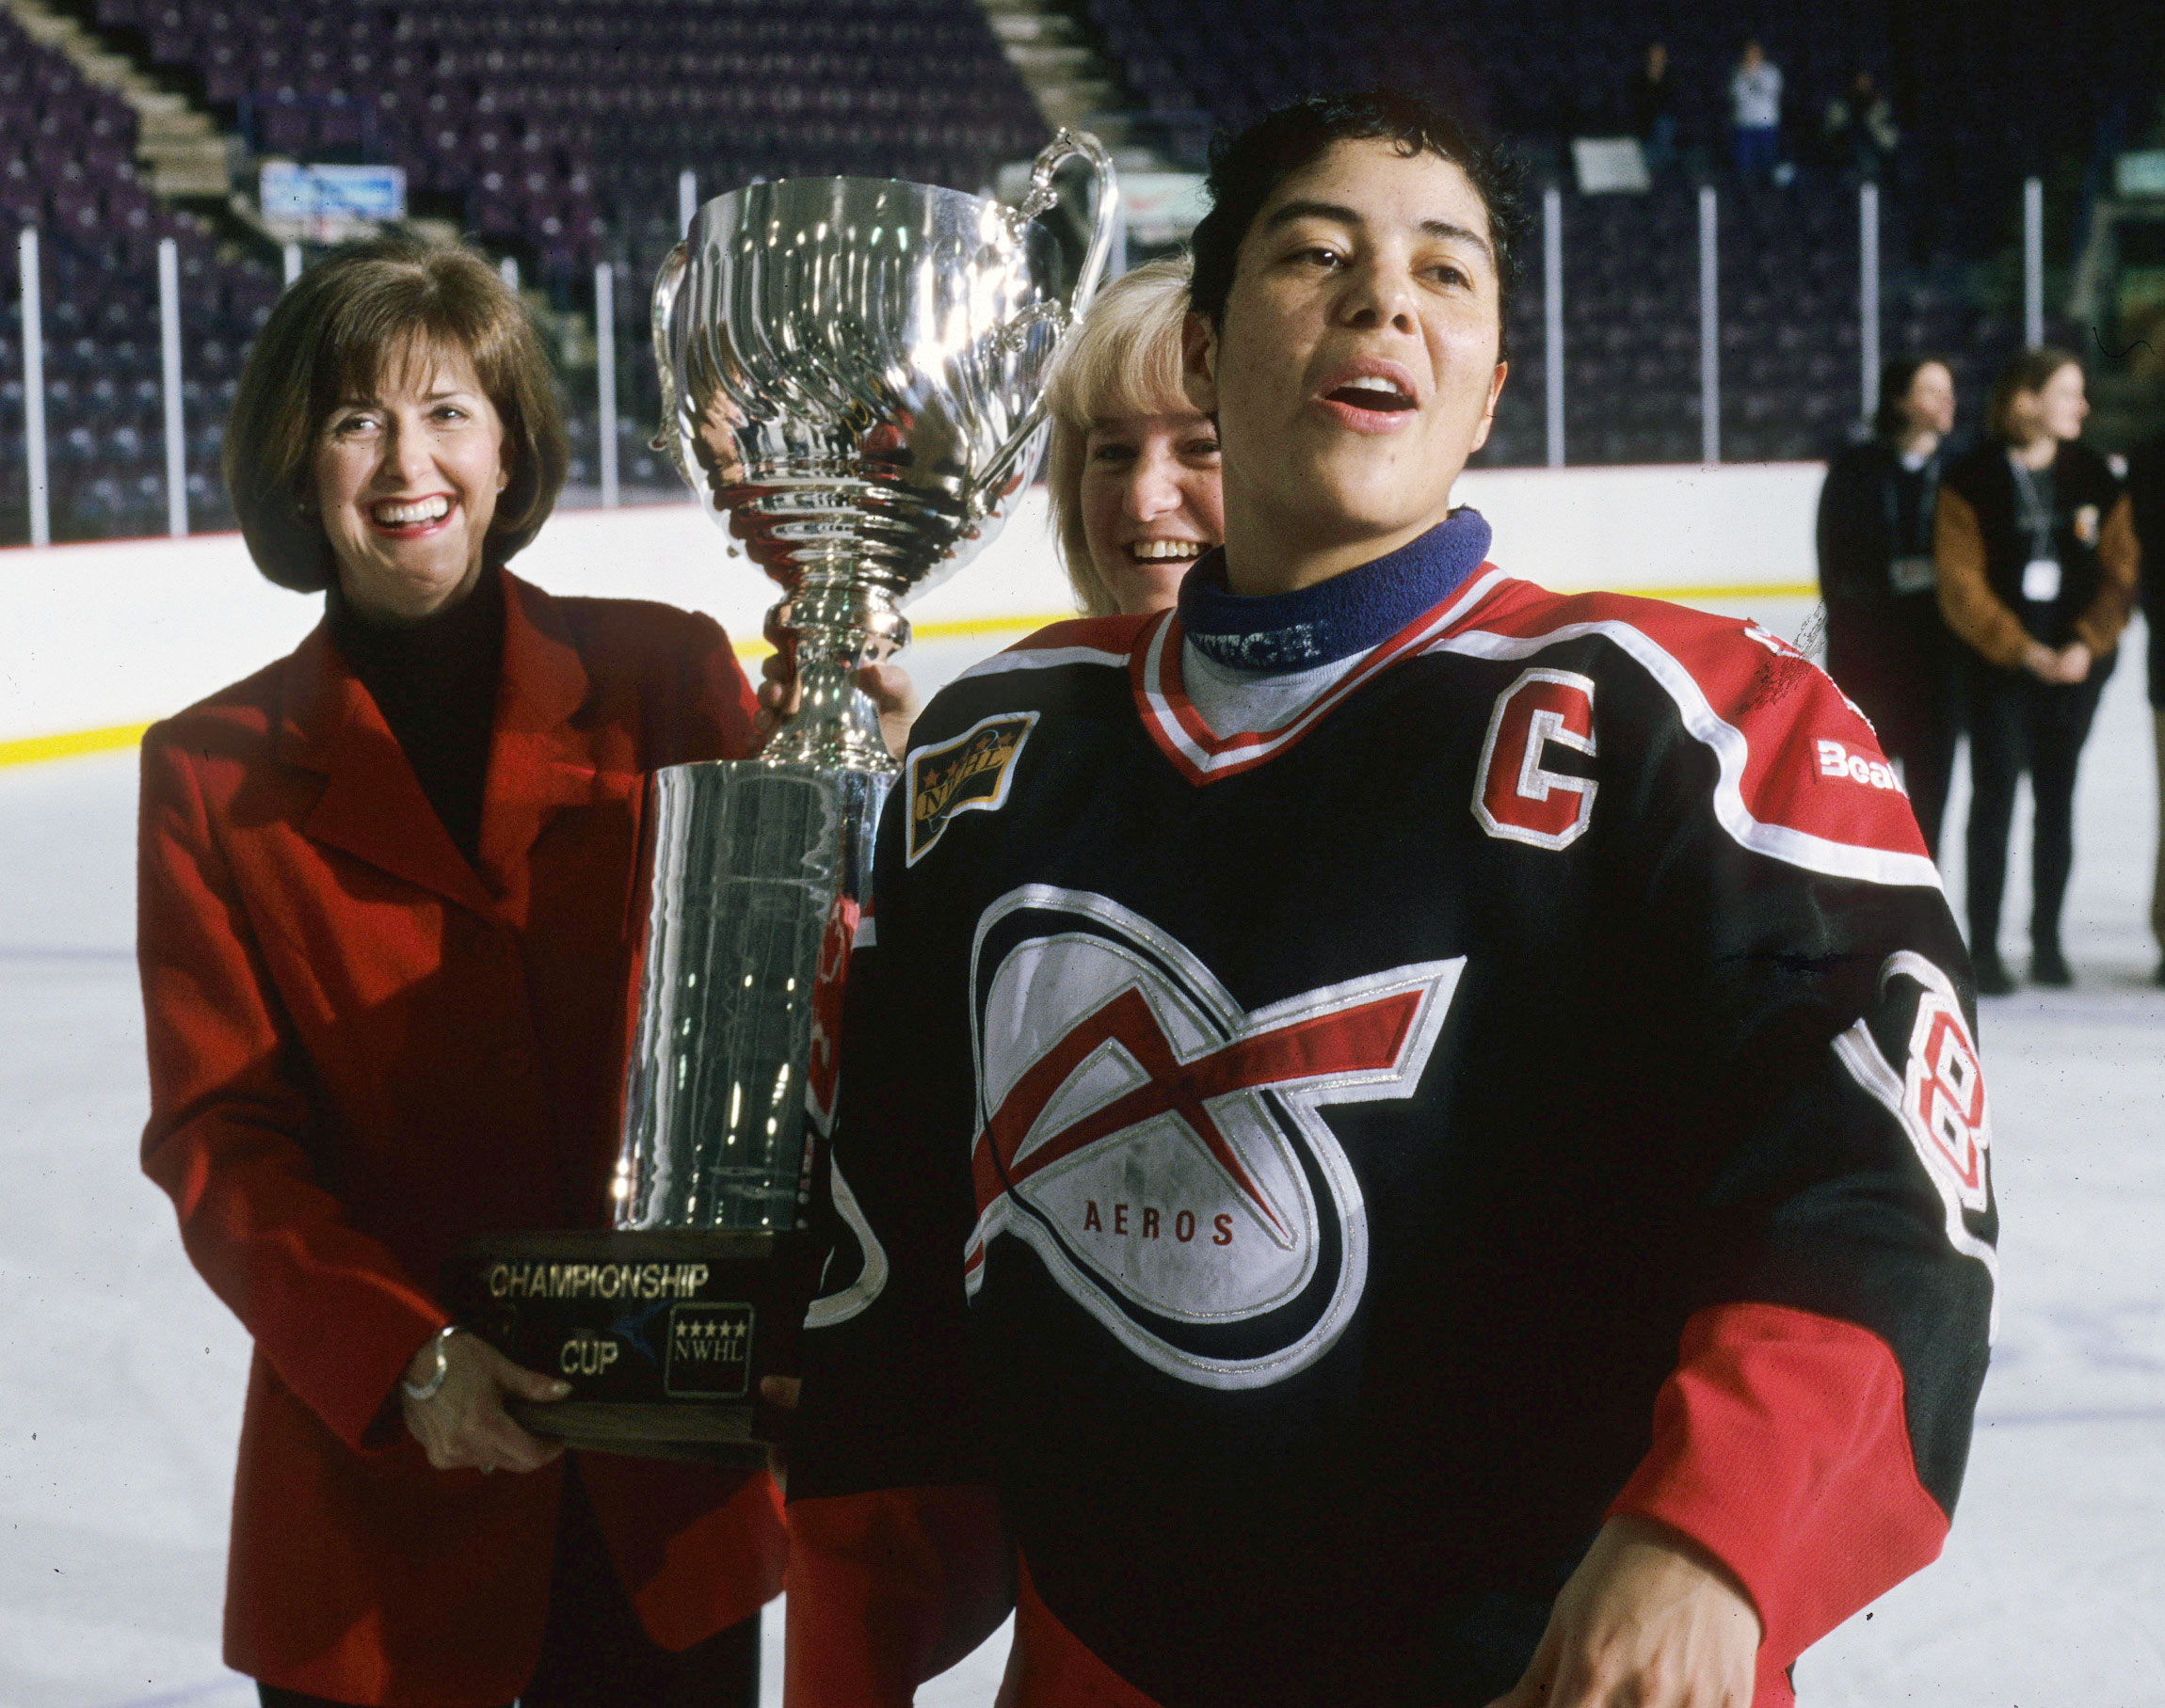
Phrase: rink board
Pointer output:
(101, 638)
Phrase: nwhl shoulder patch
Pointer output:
(963, 773)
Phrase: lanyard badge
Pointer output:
(2041, 577)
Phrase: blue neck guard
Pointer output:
(1286, 632)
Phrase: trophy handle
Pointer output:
(1066, 144)
(668, 282)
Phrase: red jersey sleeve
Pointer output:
(1781, 1445)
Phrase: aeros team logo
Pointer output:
(1162, 1149)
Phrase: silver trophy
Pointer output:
(852, 374)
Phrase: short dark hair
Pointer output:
(1246, 170)
(332, 335)
(2025, 371)
(1896, 379)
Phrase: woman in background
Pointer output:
(1887, 644)
(2036, 559)
(386, 935)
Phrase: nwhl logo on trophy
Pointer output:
(709, 1351)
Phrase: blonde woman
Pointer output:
(1132, 469)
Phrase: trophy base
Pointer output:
(663, 1334)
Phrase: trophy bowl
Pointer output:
(854, 385)
(852, 376)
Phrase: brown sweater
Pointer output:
(1979, 616)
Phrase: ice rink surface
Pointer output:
(120, 1376)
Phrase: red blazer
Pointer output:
(362, 1051)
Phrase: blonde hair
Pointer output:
(1124, 359)
(371, 307)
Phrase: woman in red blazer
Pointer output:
(387, 933)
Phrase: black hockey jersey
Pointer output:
(1315, 1165)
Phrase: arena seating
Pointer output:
(64, 166)
(561, 128)
(1988, 93)
(556, 130)
(1967, 83)
(1790, 367)
(556, 133)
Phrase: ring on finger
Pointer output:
(486, 1469)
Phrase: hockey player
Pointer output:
(1403, 1138)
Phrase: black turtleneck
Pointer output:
(435, 682)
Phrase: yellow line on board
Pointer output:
(956, 629)
(31, 749)
(1753, 590)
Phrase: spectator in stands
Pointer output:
(1887, 644)
(2034, 545)
(387, 987)
(1859, 130)
(1654, 111)
(2146, 502)
(1755, 114)
(1132, 469)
